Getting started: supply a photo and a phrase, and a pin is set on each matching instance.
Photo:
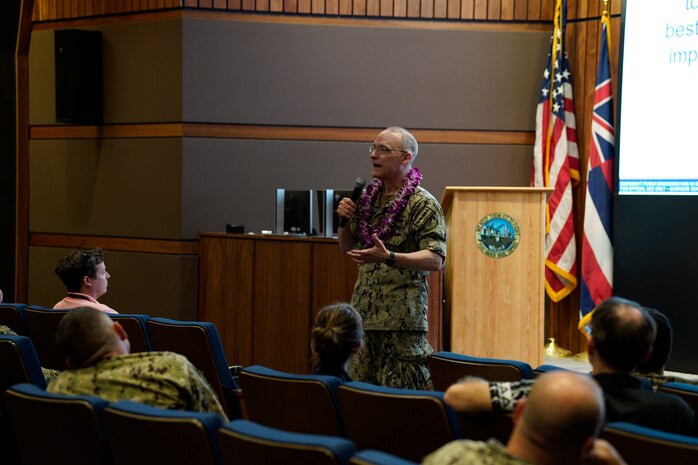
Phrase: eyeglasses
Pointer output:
(383, 149)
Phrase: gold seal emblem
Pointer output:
(497, 235)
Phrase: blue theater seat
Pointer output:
(243, 442)
(407, 423)
(639, 445)
(54, 429)
(144, 435)
(292, 402)
(448, 367)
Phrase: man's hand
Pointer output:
(346, 208)
(376, 254)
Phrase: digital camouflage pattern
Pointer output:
(49, 373)
(393, 358)
(160, 379)
(394, 298)
(466, 452)
(393, 301)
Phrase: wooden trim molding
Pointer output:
(21, 61)
(123, 244)
(238, 131)
(424, 22)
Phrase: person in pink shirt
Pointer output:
(86, 279)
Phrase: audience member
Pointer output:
(557, 424)
(653, 367)
(86, 279)
(622, 336)
(97, 351)
(336, 335)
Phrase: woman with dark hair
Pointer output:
(336, 335)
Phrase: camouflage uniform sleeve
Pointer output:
(6, 331)
(505, 395)
(203, 397)
(430, 225)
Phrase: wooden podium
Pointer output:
(494, 282)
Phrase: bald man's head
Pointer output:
(85, 335)
(564, 409)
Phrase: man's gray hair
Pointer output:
(409, 143)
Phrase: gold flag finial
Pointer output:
(605, 7)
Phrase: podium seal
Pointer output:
(497, 235)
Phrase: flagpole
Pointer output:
(557, 27)
(606, 19)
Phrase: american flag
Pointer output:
(597, 249)
(556, 163)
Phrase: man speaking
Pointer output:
(397, 234)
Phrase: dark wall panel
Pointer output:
(112, 187)
(309, 74)
(234, 181)
(155, 284)
(142, 64)
(655, 256)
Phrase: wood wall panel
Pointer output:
(479, 10)
(226, 282)
(282, 272)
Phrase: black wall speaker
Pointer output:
(78, 56)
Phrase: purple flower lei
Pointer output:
(395, 208)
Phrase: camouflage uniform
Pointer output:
(466, 452)
(49, 373)
(393, 301)
(160, 379)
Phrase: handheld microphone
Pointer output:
(355, 194)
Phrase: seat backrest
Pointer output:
(639, 445)
(404, 422)
(41, 324)
(142, 434)
(243, 442)
(300, 403)
(546, 368)
(448, 367)
(52, 428)
(11, 315)
(200, 343)
(482, 426)
(19, 362)
(135, 326)
(376, 457)
(688, 392)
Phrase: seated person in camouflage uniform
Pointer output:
(336, 336)
(97, 351)
(557, 424)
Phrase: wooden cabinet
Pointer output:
(263, 293)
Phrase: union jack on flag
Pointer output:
(556, 163)
(597, 248)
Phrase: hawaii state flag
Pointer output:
(556, 163)
(597, 248)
